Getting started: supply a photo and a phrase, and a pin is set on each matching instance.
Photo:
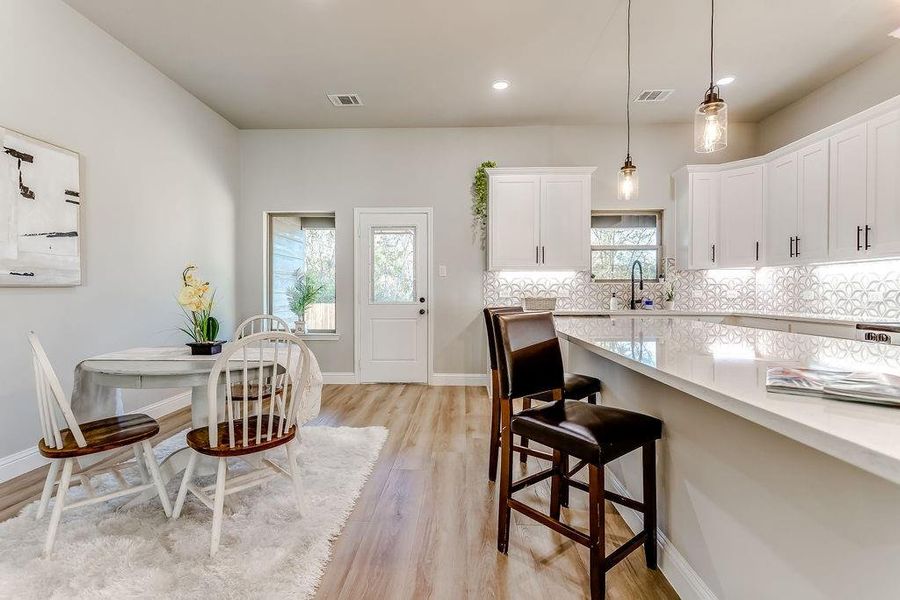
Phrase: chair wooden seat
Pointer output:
(102, 435)
(198, 439)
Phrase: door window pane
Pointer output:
(393, 265)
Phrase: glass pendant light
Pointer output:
(628, 176)
(711, 118)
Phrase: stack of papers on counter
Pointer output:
(850, 386)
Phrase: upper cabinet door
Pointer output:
(514, 233)
(740, 217)
(704, 199)
(848, 193)
(781, 210)
(565, 217)
(812, 194)
(883, 214)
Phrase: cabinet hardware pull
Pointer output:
(868, 245)
(797, 246)
(714, 253)
(543, 255)
(757, 251)
(537, 255)
(858, 243)
(792, 246)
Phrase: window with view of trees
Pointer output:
(303, 244)
(619, 239)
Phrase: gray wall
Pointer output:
(866, 85)
(342, 169)
(159, 181)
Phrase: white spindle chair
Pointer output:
(284, 360)
(249, 326)
(65, 440)
(259, 324)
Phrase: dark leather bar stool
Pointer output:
(576, 387)
(531, 363)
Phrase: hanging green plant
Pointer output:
(480, 201)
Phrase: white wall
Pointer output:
(342, 169)
(866, 85)
(159, 182)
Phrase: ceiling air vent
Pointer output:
(654, 96)
(345, 99)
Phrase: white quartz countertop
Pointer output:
(726, 366)
(802, 317)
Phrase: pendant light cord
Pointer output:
(628, 86)
(712, 39)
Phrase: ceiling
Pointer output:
(425, 63)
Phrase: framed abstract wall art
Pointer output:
(40, 206)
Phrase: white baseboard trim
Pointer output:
(348, 378)
(478, 379)
(683, 578)
(166, 406)
(23, 461)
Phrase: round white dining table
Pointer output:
(164, 374)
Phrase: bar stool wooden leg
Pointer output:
(598, 533)
(505, 476)
(523, 458)
(555, 482)
(564, 483)
(495, 425)
(648, 452)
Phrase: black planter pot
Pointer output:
(205, 348)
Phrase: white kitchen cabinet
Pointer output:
(883, 186)
(740, 217)
(797, 206)
(811, 243)
(697, 219)
(782, 209)
(565, 213)
(848, 193)
(539, 219)
(514, 221)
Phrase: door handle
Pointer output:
(858, 242)
(421, 311)
(421, 299)
(868, 245)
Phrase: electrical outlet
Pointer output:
(808, 296)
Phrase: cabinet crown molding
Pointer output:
(540, 170)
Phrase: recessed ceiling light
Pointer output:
(500, 84)
(895, 33)
(725, 80)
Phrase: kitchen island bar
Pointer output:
(754, 487)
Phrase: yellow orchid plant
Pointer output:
(197, 303)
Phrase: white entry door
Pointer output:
(392, 275)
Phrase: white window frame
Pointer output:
(658, 247)
(267, 267)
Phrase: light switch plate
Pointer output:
(442, 270)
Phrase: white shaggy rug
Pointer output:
(268, 550)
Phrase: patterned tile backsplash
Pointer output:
(870, 289)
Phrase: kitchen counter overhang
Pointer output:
(725, 366)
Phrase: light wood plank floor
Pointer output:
(425, 523)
